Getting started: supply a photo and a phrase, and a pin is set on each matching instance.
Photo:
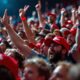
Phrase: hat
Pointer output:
(31, 45)
(73, 31)
(51, 14)
(48, 41)
(54, 26)
(61, 40)
(10, 64)
(37, 45)
(69, 22)
(64, 31)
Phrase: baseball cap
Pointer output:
(62, 41)
(11, 64)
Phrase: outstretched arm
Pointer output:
(73, 17)
(62, 17)
(38, 9)
(20, 44)
(28, 32)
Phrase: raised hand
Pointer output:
(23, 11)
(78, 11)
(5, 18)
(62, 10)
(38, 6)
(73, 10)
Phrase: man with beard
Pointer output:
(58, 49)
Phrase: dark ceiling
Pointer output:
(14, 5)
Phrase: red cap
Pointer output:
(69, 22)
(31, 45)
(54, 26)
(48, 41)
(65, 31)
(10, 64)
(61, 40)
(37, 45)
(52, 14)
(73, 31)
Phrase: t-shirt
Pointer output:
(36, 54)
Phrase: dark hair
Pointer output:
(5, 74)
(6, 44)
(19, 58)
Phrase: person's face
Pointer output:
(53, 49)
(57, 33)
(55, 53)
(31, 73)
(44, 49)
(71, 39)
(60, 73)
(51, 19)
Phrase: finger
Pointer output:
(26, 8)
(5, 12)
(37, 6)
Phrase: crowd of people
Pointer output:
(43, 48)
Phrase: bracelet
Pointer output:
(23, 18)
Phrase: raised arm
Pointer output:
(19, 43)
(38, 9)
(28, 32)
(62, 17)
(78, 29)
(73, 17)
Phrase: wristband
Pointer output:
(23, 18)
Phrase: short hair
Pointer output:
(74, 72)
(65, 64)
(42, 65)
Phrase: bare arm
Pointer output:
(73, 17)
(27, 29)
(20, 44)
(38, 9)
(62, 17)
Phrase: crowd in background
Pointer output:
(42, 48)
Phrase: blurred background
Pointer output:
(14, 5)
